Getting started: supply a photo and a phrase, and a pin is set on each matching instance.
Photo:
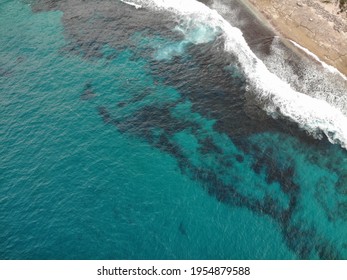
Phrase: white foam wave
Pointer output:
(137, 6)
(325, 65)
(279, 99)
(311, 79)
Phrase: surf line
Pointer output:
(325, 65)
(137, 6)
(278, 99)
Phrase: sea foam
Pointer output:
(277, 97)
(326, 66)
(137, 6)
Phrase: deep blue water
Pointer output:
(122, 139)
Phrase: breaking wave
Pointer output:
(276, 96)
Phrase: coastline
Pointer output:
(307, 23)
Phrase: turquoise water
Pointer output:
(110, 157)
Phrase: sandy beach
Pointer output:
(317, 25)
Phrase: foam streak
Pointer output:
(137, 6)
(326, 66)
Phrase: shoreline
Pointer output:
(305, 26)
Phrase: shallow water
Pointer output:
(123, 138)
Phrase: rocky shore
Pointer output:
(317, 25)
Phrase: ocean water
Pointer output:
(154, 132)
